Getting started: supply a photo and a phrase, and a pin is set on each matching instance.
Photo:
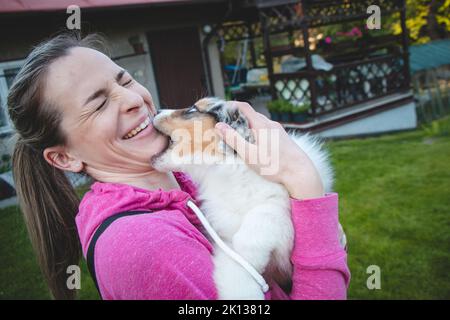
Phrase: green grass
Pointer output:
(394, 205)
(395, 208)
(20, 277)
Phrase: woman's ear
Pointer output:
(58, 157)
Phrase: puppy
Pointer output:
(250, 213)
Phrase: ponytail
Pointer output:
(47, 199)
(49, 205)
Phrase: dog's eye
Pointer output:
(192, 109)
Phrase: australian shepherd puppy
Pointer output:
(250, 213)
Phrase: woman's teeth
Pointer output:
(138, 129)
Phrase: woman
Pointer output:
(73, 109)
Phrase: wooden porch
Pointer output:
(368, 72)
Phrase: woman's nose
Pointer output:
(131, 101)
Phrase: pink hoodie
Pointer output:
(164, 254)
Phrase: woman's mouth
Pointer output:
(137, 131)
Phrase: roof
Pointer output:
(14, 6)
(429, 55)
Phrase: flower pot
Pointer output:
(275, 116)
(285, 117)
(300, 117)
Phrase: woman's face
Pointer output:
(100, 105)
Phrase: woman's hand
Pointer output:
(274, 154)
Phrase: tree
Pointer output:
(426, 20)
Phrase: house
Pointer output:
(177, 49)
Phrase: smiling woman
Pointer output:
(72, 119)
(75, 110)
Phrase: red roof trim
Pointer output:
(14, 6)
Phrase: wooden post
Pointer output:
(405, 45)
(309, 65)
(265, 29)
(251, 37)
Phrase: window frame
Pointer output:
(12, 64)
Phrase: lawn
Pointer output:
(394, 205)
(395, 208)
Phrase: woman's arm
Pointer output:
(320, 263)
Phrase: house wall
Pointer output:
(139, 66)
(20, 34)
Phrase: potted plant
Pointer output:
(285, 110)
(300, 113)
(274, 109)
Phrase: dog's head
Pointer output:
(191, 130)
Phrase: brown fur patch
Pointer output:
(191, 133)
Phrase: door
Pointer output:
(178, 67)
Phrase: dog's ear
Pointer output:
(225, 112)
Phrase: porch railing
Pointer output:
(343, 86)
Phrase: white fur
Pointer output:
(313, 148)
(250, 213)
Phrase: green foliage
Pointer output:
(443, 17)
(302, 108)
(272, 106)
(419, 13)
(283, 106)
(233, 50)
(228, 95)
(286, 107)
(280, 105)
(438, 128)
(426, 20)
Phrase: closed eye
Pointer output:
(192, 109)
(101, 106)
(127, 83)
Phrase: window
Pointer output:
(8, 71)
